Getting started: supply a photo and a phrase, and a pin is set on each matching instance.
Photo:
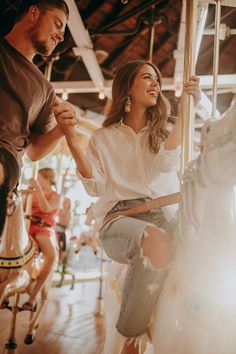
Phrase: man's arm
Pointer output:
(42, 145)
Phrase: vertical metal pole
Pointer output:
(48, 69)
(59, 171)
(187, 112)
(152, 35)
(99, 310)
(216, 56)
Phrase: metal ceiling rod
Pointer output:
(179, 53)
(216, 55)
(119, 32)
(230, 3)
(225, 31)
(189, 64)
(134, 11)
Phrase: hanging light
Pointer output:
(64, 95)
(101, 95)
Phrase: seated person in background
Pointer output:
(45, 205)
(64, 218)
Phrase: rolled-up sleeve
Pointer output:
(95, 185)
(168, 160)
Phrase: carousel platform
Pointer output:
(67, 326)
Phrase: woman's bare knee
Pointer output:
(156, 245)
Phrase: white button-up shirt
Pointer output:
(124, 168)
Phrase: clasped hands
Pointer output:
(65, 115)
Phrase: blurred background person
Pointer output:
(45, 208)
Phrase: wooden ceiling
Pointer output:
(121, 32)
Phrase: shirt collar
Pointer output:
(147, 126)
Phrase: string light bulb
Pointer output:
(101, 95)
(64, 96)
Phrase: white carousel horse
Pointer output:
(196, 311)
(19, 265)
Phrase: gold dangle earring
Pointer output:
(127, 104)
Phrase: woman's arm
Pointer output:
(88, 166)
(41, 145)
(83, 165)
(44, 205)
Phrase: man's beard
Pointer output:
(39, 45)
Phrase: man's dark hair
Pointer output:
(43, 5)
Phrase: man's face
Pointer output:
(48, 31)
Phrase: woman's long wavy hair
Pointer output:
(157, 115)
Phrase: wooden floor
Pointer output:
(68, 324)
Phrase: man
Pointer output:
(28, 102)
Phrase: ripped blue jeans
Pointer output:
(121, 240)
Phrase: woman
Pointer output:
(45, 205)
(124, 161)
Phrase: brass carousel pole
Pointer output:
(216, 56)
(99, 309)
(187, 103)
(152, 35)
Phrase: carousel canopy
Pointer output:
(102, 35)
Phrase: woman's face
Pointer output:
(145, 89)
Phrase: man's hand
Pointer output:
(65, 115)
(192, 88)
